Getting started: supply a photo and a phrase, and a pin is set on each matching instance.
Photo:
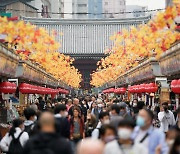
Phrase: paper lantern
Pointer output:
(175, 86)
(7, 87)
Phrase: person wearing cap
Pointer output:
(124, 144)
(166, 118)
(145, 134)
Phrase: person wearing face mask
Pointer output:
(145, 134)
(62, 123)
(166, 118)
(134, 108)
(107, 133)
(103, 119)
(124, 144)
(16, 132)
(90, 124)
(100, 105)
(30, 122)
(171, 135)
(176, 146)
(123, 111)
(114, 115)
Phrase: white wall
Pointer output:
(114, 6)
(68, 9)
(37, 4)
(55, 4)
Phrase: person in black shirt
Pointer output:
(62, 123)
(47, 141)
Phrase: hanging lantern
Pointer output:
(122, 90)
(148, 88)
(25, 88)
(175, 86)
(142, 88)
(7, 87)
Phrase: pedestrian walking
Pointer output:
(30, 122)
(145, 134)
(77, 130)
(166, 118)
(14, 141)
(47, 141)
(124, 144)
(62, 123)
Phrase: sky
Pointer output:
(152, 4)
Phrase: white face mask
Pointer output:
(100, 105)
(170, 142)
(106, 121)
(134, 105)
(65, 114)
(35, 118)
(124, 133)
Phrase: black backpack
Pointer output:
(15, 146)
(29, 129)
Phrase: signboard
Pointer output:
(143, 73)
(170, 65)
(7, 66)
(8, 15)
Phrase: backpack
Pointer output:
(15, 146)
(29, 129)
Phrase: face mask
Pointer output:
(170, 142)
(124, 133)
(106, 121)
(122, 113)
(35, 118)
(109, 138)
(134, 105)
(100, 105)
(140, 121)
(65, 114)
(165, 109)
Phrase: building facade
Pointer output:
(114, 8)
(95, 9)
(47, 8)
(87, 39)
(18, 8)
(137, 11)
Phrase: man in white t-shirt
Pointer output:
(125, 144)
(166, 117)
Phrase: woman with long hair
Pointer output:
(76, 126)
(15, 131)
(91, 124)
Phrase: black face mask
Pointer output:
(165, 108)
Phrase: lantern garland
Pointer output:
(36, 45)
(145, 41)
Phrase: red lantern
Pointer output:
(142, 88)
(175, 86)
(7, 87)
(123, 90)
(148, 88)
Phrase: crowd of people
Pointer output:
(94, 125)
